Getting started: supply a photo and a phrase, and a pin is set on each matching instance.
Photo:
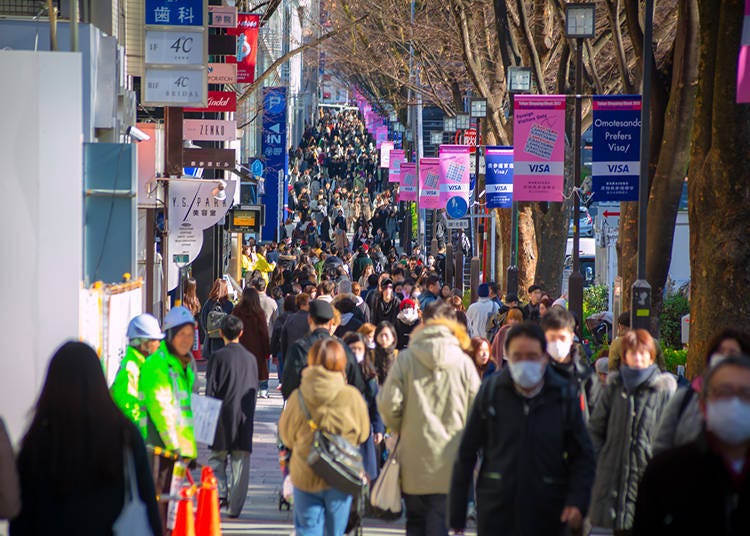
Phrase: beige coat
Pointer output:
(334, 406)
(426, 399)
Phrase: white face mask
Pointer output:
(360, 357)
(558, 350)
(729, 419)
(527, 374)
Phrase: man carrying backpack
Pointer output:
(538, 462)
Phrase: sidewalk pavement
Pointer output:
(261, 515)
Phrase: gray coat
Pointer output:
(622, 429)
(681, 422)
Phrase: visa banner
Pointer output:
(616, 157)
(408, 184)
(429, 183)
(394, 165)
(454, 172)
(499, 177)
(539, 147)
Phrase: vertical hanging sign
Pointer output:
(429, 183)
(539, 148)
(275, 153)
(408, 185)
(394, 166)
(247, 44)
(385, 154)
(743, 60)
(499, 177)
(616, 158)
(454, 173)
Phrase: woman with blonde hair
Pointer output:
(512, 317)
(335, 407)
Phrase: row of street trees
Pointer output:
(461, 45)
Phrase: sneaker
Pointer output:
(264, 393)
(278, 387)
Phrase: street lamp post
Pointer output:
(640, 295)
(478, 111)
(519, 81)
(579, 25)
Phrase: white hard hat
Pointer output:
(144, 326)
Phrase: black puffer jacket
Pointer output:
(537, 458)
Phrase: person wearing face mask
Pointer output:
(623, 427)
(704, 487)
(559, 325)
(408, 319)
(682, 419)
(358, 345)
(537, 459)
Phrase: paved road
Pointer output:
(261, 515)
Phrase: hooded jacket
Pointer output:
(426, 400)
(623, 427)
(334, 407)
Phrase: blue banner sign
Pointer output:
(276, 160)
(499, 177)
(615, 163)
(175, 12)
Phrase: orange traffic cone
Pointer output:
(208, 521)
(184, 524)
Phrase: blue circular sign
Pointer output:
(457, 207)
(257, 168)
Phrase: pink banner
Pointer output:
(539, 148)
(408, 183)
(743, 61)
(394, 167)
(381, 135)
(429, 183)
(385, 154)
(454, 172)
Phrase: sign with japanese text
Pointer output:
(499, 177)
(381, 135)
(175, 53)
(276, 158)
(247, 43)
(385, 154)
(408, 183)
(222, 17)
(218, 101)
(394, 166)
(175, 12)
(539, 150)
(429, 183)
(616, 155)
(454, 173)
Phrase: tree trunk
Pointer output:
(527, 250)
(503, 245)
(664, 198)
(718, 191)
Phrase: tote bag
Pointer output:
(386, 492)
(133, 518)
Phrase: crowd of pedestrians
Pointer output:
(494, 413)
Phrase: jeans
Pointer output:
(425, 515)
(321, 513)
(235, 491)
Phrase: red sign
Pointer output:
(247, 44)
(218, 101)
(470, 136)
(607, 213)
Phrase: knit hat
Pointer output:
(408, 302)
